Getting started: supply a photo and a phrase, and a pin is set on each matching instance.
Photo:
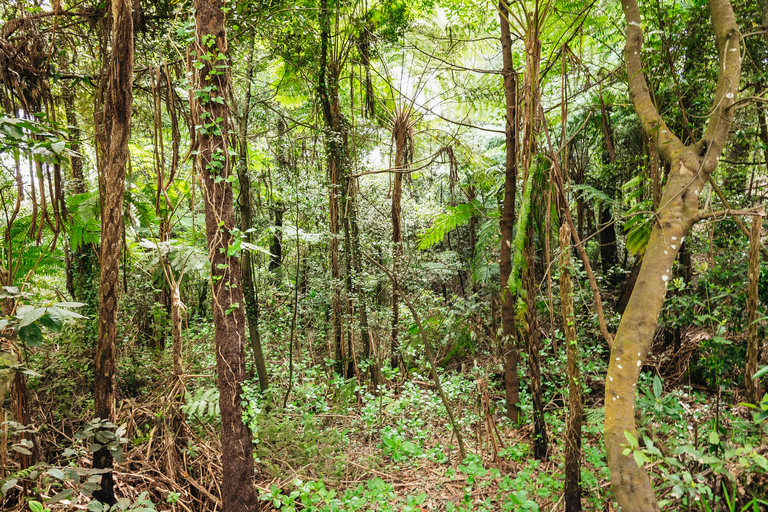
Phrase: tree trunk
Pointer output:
(276, 247)
(83, 257)
(608, 257)
(690, 169)
(573, 424)
(401, 138)
(237, 491)
(117, 120)
(530, 328)
(245, 206)
(509, 341)
(754, 393)
(336, 156)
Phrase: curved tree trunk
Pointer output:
(690, 169)
(237, 491)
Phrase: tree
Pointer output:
(507, 224)
(691, 168)
(116, 122)
(211, 115)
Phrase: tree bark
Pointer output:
(573, 423)
(211, 115)
(336, 157)
(690, 169)
(401, 135)
(510, 347)
(754, 393)
(245, 205)
(531, 100)
(117, 116)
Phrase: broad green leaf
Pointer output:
(70, 304)
(8, 485)
(36, 506)
(57, 473)
(657, 387)
(714, 437)
(31, 316)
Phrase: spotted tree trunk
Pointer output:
(690, 169)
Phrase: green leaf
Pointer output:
(58, 147)
(31, 335)
(57, 473)
(640, 457)
(632, 440)
(658, 389)
(70, 304)
(66, 493)
(714, 437)
(31, 316)
(8, 485)
(762, 371)
(96, 506)
(36, 506)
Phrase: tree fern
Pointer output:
(454, 217)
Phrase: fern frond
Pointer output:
(522, 226)
(454, 217)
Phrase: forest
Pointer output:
(383, 255)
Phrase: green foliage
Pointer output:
(84, 226)
(522, 225)
(638, 222)
(203, 404)
(444, 223)
(396, 447)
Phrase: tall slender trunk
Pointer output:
(245, 205)
(605, 223)
(276, 247)
(690, 169)
(82, 257)
(510, 347)
(754, 393)
(573, 423)
(237, 491)
(117, 123)
(368, 349)
(336, 156)
(400, 136)
(530, 333)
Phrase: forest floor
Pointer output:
(338, 446)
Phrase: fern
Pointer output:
(454, 217)
(482, 269)
(591, 194)
(522, 226)
(638, 224)
(595, 416)
(204, 404)
(85, 227)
